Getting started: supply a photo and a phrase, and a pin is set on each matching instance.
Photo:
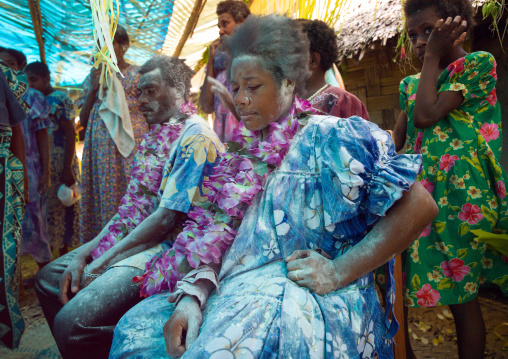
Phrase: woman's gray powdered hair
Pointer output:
(278, 43)
(173, 71)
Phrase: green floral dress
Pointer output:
(461, 170)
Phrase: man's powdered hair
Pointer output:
(237, 9)
(279, 45)
(173, 71)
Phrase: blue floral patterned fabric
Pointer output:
(191, 160)
(338, 178)
(34, 234)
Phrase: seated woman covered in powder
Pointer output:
(335, 203)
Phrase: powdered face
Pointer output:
(156, 100)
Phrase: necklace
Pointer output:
(318, 92)
(231, 187)
(139, 201)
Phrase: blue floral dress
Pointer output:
(337, 180)
(34, 233)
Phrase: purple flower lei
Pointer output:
(232, 186)
(141, 197)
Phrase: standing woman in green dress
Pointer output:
(452, 117)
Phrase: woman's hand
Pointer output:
(68, 177)
(311, 270)
(446, 35)
(222, 92)
(95, 79)
(182, 328)
(45, 182)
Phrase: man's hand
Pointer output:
(71, 279)
(212, 47)
(182, 328)
(312, 270)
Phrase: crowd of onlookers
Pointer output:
(450, 122)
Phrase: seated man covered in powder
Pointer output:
(84, 293)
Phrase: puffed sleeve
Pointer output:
(62, 107)
(39, 110)
(403, 91)
(360, 169)
(474, 75)
(182, 181)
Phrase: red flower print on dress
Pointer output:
(471, 213)
(493, 72)
(429, 186)
(492, 97)
(426, 231)
(501, 189)
(427, 297)
(417, 148)
(456, 67)
(455, 269)
(446, 162)
(489, 131)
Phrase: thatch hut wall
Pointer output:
(375, 81)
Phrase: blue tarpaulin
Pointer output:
(67, 33)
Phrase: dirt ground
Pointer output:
(432, 330)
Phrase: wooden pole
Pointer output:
(35, 13)
(190, 26)
(399, 347)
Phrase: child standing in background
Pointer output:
(452, 117)
(63, 221)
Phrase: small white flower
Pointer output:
(271, 249)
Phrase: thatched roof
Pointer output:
(367, 22)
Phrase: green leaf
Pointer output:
(415, 282)
(473, 264)
(234, 147)
(456, 208)
(462, 253)
(431, 247)
(445, 283)
(221, 217)
(501, 282)
(184, 266)
(261, 168)
(463, 229)
(440, 177)
(438, 226)
(490, 215)
(434, 158)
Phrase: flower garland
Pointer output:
(141, 198)
(232, 186)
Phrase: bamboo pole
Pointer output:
(190, 26)
(35, 13)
